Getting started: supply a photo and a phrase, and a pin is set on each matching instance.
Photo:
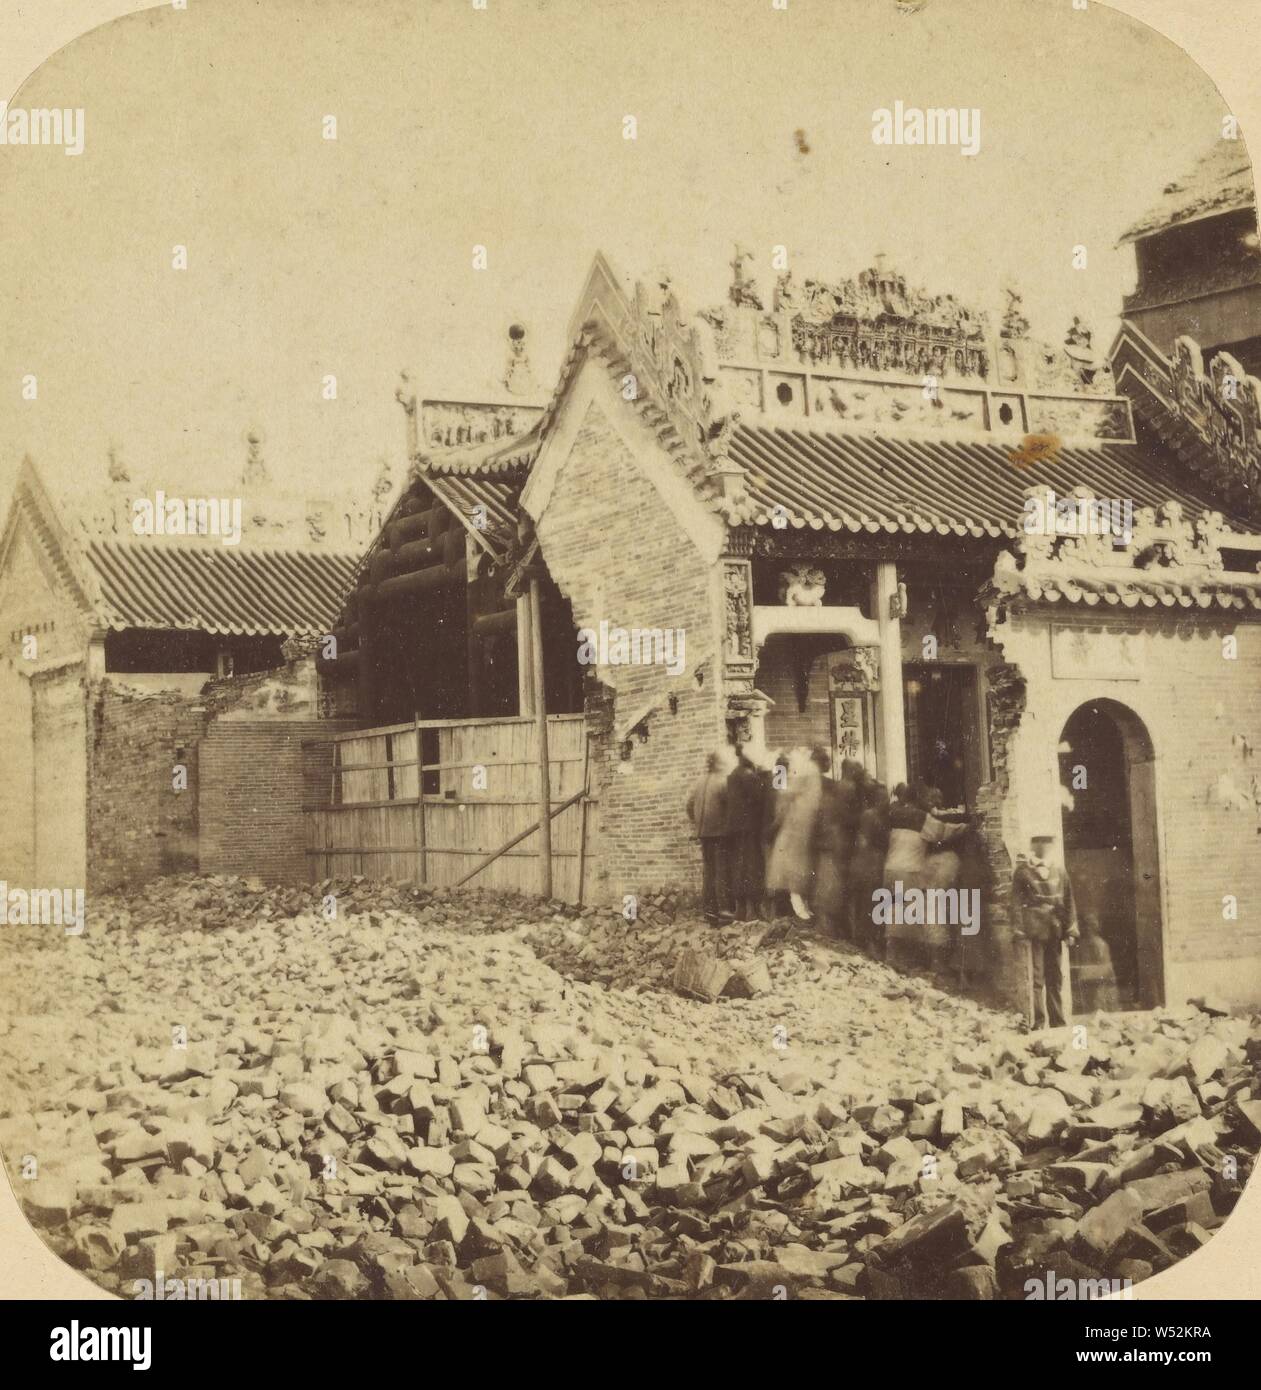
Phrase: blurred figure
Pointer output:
(904, 864)
(1092, 968)
(942, 865)
(790, 868)
(775, 786)
(747, 790)
(840, 806)
(829, 848)
(871, 844)
(707, 809)
(1042, 899)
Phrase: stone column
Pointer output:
(892, 718)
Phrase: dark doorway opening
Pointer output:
(1107, 770)
(943, 736)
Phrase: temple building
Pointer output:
(853, 513)
(850, 512)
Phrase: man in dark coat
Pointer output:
(1042, 898)
(747, 789)
(707, 808)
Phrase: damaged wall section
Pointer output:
(138, 825)
(237, 807)
(646, 750)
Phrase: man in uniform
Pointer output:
(1043, 901)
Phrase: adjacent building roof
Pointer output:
(1220, 182)
(193, 584)
(229, 590)
(882, 482)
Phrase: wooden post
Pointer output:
(525, 656)
(476, 652)
(540, 721)
(420, 804)
(366, 700)
(892, 716)
(582, 814)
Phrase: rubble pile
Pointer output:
(445, 1095)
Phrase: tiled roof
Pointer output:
(1220, 182)
(462, 493)
(494, 461)
(222, 589)
(882, 482)
(1132, 588)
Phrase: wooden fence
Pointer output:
(429, 801)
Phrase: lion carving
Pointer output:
(802, 586)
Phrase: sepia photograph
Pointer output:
(631, 662)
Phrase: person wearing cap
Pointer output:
(1042, 897)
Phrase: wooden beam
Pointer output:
(421, 856)
(368, 639)
(540, 716)
(525, 653)
(503, 849)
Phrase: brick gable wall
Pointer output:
(617, 552)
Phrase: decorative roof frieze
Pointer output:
(1209, 416)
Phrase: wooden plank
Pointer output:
(422, 860)
(409, 852)
(506, 720)
(364, 833)
(504, 848)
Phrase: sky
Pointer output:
(503, 128)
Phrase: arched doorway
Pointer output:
(1107, 770)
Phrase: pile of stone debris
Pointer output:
(408, 1100)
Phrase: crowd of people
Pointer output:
(780, 834)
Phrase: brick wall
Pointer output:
(242, 809)
(138, 824)
(253, 787)
(617, 553)
(999, 960)
(786, 725)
